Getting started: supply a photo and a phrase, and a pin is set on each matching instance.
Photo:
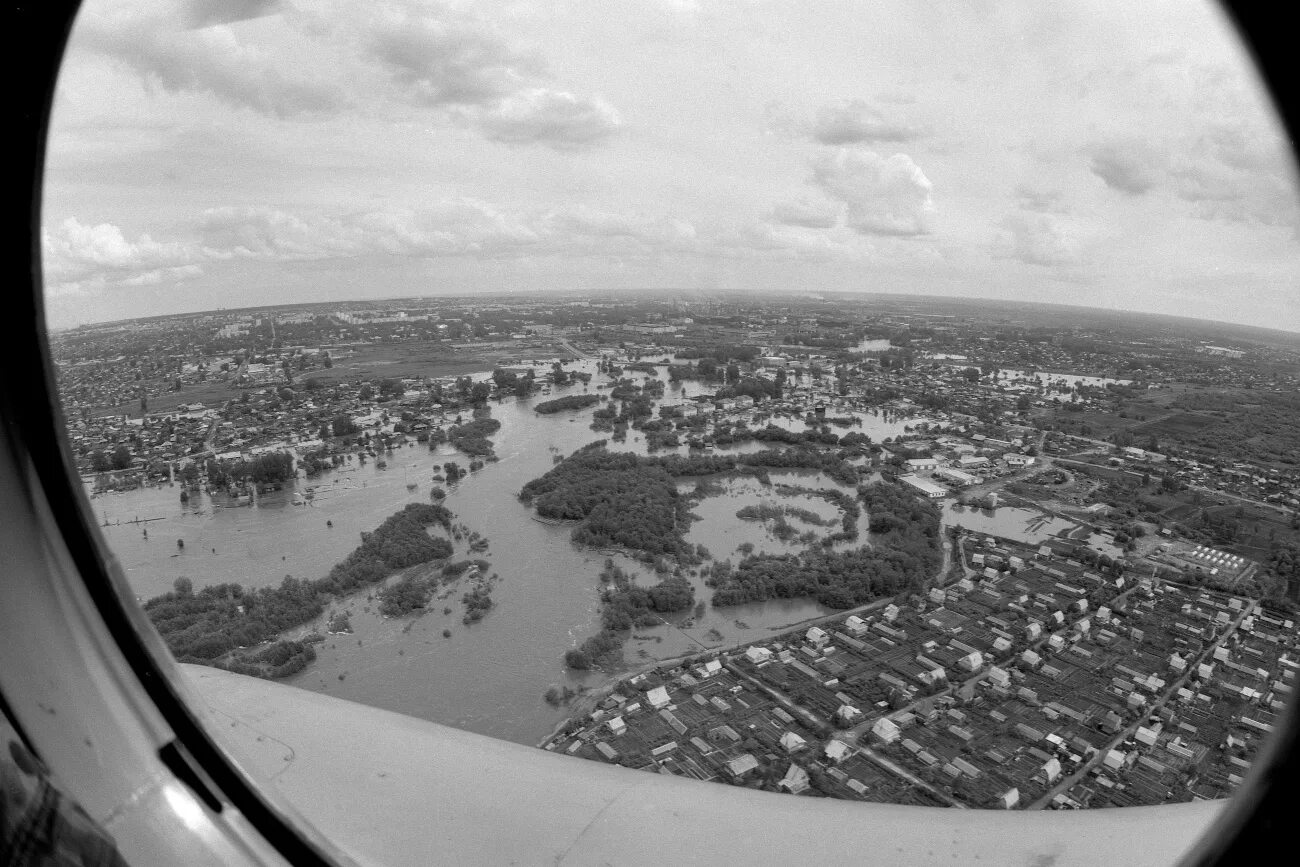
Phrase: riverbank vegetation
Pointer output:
(214, 625)
(625, 606)
(472, 437)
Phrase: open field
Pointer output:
(431, 358)
(365, 362)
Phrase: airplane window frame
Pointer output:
(28, 406)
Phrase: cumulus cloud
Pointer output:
(1130, 167)
(74, 253)
(1035, 239)
(809, 214)
(210, 60)
(854, 121)
(882, 195)
(554, 118)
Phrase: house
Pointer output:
(837, 751)
(741, 765)
(957, 477)
(795, 780)
(658, 697)
(885, 730)
(707, 669)
(792, 743)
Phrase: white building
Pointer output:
(885, 730)
(925, 486)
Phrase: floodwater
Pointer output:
(873, 346)
(1010, 522)
(1058, 381)
(487, 677)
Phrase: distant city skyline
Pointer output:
(1121, 157)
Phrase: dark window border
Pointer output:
(1255, 824)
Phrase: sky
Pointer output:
(229, 153)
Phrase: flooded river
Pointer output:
(488, 677)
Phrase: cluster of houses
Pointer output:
(1035, 682)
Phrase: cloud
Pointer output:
(447, 62)
(1035, 239)
(657, 233)
(1043, 201)
(809, 214)
(884, 196)
(74, 254)
(1232, 175)
(1129, 167)
(210, 60)
(854, 121)
(448, 228)
(554, 118)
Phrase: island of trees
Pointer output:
(572, 401)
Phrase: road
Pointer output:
(575, 350)
(899, 771)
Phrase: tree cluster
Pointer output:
(572, 401)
